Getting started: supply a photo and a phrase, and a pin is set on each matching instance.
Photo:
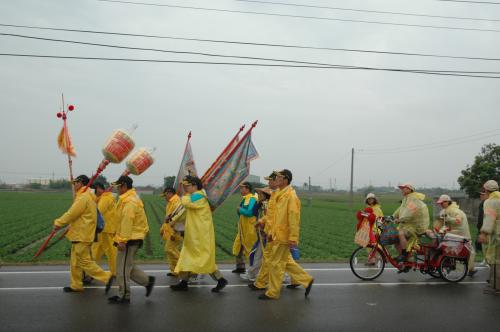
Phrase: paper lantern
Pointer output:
(118, 146)
(139, 161)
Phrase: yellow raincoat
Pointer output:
(81, 217)
(173, 239)
(456, 220)
(106, 204)
(107, 207)
(377, 210)
(82, 220)
(491, 226)
(285, 229)
(413, 214)
(247, 235)
(167, 229)
(286, 216)
(133, 224)
(269, 217)
(198, 251)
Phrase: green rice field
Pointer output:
(327, 226)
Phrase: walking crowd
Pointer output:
(267, 239)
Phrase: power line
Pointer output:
(423, 72)
(473, 2)
(438, 142)
(240, 57)
(303, 16)
(250, 43)
(333, 164)
(370, 11)
(434, 145)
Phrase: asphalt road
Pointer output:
(31, 299)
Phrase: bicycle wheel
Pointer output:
(434, 273)
(453, 269)
(367, 263)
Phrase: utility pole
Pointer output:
(351, 193)
(309, 184)
(331, 188)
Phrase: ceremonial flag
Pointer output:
(187, 167)
(64, 141)
(216, 164)
(232, 170)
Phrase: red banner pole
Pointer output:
(210, 169)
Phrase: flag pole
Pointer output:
(210, 169)
(66, 138)
(249, 131)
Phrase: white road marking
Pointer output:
(224, 270)
(340, 284)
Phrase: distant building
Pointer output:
(253, 178)
(40, 181)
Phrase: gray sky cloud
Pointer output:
(308, 118)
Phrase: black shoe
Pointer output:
(404, 269)
(472, 273)
(292, 286)
(118, 300)
(150, 285)
(308, 288)
(109, 284)
(181, 286)
(87, 280)
(401, 258)
(264, 297)
(170, 274)
(239, 270)
(68, 289)
(221, 283)
(255, 288)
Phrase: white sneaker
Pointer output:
(196, 279)
(244, 276)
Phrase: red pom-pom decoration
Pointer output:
(59, 115)
(71, 107)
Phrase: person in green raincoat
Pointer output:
(490, 235)
(455, 222)
(413, 219)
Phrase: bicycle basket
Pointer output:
(390, 234)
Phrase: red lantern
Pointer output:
(59, 115)
(71, 107)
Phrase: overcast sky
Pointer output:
(309, 119)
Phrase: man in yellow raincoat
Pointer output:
(131, 231)
(413, 219)
(81, 218)
(285, 236)
(266, 222)
(247, 235)
(198, 250)
(172, 229)
(106, 205)
(490, 235)
(455, 221)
